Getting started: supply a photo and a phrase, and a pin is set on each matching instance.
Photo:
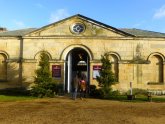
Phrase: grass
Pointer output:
(138, 98)
(123, 98)
(17, 94)
(87, 111)
(6, 98)
(143, 98)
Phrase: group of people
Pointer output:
(79, 86)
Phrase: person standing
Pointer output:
(82, 88)
(75, 87)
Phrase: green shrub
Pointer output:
(137, 91)
(95, 93)
(59, 89)
(44, 90)
(47, 90)
(15, 92)
(103, 93)
(92, 89)
(49, 93)
(108, 93)
(43, 80)
(116, 93)
(38, 91)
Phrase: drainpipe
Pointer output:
(20, 61)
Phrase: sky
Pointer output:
(139, 14)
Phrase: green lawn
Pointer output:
(138, 98)
(9, 98)
(142, 98)
(6, 98)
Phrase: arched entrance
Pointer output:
(77, 62)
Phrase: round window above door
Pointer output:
(77, 28)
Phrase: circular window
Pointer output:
(78, 28)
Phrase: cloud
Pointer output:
(58, 15)
(160, 13)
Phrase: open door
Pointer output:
(77, 63)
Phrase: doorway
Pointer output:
(77, 62)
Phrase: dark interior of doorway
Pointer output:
(78, 55)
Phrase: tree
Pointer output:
(43, 72)
(107, 77)
(43, 80)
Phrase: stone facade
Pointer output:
(136, 59)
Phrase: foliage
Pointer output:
(108, 93)
(137, 91)
(43, 73)
(103, 93)
(8, 98)
(47, 90)
(43, 80)
(15, 92)
(107, 77)
(43, 90)
(95, 93)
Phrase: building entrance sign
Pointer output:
(56, 71)
(96, 69)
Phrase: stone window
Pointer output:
(3, 67)
(115, 66)
(37, 57)
(156, 69)
(77, 28)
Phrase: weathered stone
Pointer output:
(134, 59)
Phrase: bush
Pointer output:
(38, 91)
(103, 93)
(44, 90)
(108, 93)
(137, 91)
(43, 79)
(15, 91)
(92, 89)
(59, 89)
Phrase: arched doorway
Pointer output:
(156, 67)
(77, 62)
(3, 67)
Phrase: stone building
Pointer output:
(75, 44)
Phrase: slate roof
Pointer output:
(20, 32)
(143, 33)
(135, 32)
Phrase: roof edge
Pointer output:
(85, 18)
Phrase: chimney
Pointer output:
(2, 29)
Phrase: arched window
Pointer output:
(38, 58)
(156, 69)
(3, 67)
(115, 66)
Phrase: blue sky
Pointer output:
(140, 14)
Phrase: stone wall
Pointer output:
(135, 59)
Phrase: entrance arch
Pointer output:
(77, 62)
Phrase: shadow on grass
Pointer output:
(15, 92)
